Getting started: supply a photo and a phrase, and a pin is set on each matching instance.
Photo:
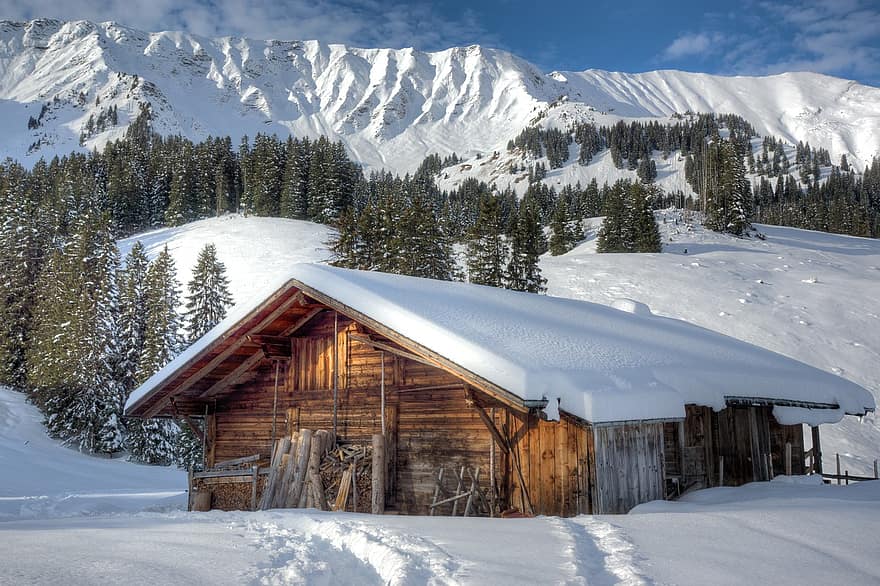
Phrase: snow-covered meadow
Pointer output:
(70, 519)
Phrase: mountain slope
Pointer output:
(391, 107)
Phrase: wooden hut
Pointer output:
(546, 405)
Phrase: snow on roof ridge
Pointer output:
(600, 363)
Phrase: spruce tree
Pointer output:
(208, 295)
(74, 361)
(132, 318)
(629, 224)
(486, 248)
(562, 237)
(153, 441)
(527, 245)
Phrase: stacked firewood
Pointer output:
(346, 472)
(294, 474)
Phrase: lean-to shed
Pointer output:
(567, 407)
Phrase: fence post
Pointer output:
(876, 476)
(817, 451)
(838, 468)
(847, 477)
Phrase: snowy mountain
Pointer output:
(807, 295)
(391, 107)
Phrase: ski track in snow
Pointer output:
(600, 553)
(334, 551)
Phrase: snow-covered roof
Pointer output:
(600, 363)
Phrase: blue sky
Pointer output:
(751, 37)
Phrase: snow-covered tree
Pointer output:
(153, 441)
(74, 361)
(486, 247)
(527, 245)
(208, 295)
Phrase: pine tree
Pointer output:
(132, 319)
(629, 224)
(728, 205)
(563, 236)
(527, 245)
(24, 236)
(208, 295)
(74, 362)
(153, 441)
(486, 248)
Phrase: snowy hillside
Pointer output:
(807, 295)
(391, 107)
(41, 478)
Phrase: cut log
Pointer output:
(299, 474)
(281, 447)
(344, 488)
(317, 487)
(378, 487)
(281, 495)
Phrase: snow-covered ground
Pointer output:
(40, 478)
(790, 531)
(66, 518)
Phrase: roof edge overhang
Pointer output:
(771, 402)
(147, 398)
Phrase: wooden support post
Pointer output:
(788, 458)
(721, 471)
(299, 474)
(256, 471)
(817, 451)
(458, 488)
(316, 486)
(492, 469)
(876, 476)
(378, 505)
(769, 467)
(437, 488)
(189, 484)
(837, 456)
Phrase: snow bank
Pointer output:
(43, 479)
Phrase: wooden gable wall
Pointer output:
(431, 420)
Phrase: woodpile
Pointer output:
(347, 475)
(309, 470)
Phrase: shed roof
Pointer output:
(600, 363)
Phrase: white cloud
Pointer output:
(368, 23)
(690, 44)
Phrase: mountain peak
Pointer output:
(390, 106)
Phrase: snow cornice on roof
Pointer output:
(594, 362)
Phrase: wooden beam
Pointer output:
(365, 339)
(301, 322)
(233, 376)
(499, 439)
(299, 298)
(263, 339)
(194, 428)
